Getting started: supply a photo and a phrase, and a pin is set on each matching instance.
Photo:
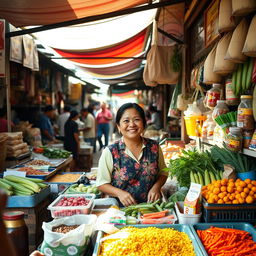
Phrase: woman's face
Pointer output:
(131, 124)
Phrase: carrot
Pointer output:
(156, 213)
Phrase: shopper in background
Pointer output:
(45, 124)
(71, 140)
(6, 247)
(154, 123)
(89, 127)
(130, 169)
(3, 121)
(62, 119)
(103, 117)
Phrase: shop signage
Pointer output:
(2, 48)
(211, 23)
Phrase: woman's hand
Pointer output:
(36, 253)
(154, 194)
(126, 198)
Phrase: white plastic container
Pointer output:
(63, 211)
(186, 218)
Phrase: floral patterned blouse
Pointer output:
(135, 177)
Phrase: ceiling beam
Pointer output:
(170, 36)
(92, 18)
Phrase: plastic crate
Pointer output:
(182, 228)
(202, 226)
(229, 212)
(63, 211)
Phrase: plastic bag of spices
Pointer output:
(68, 235)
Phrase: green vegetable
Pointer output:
(157, 206)
(207, 178)
(177, 196)
(19, 187)
(212, 177)
(5, 185)
(24, 181)
(200, 177)
(190, 161)
(239, 80)
(249, 74)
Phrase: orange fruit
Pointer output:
(216, 191)
(230, 189)
(249, 186)
(210, 201)
(253, 188)
(231, 180)
(224, 182)
(243, 195)
(221, 195)
(249, 199)
(235, 201)
(238, 196)
(220, 201)
(242, 184)
(239, 189)
(231, 197)
(253, 182)
(246, 190)
(247, 181)
(226, 199)
(223, 188)
(251, 193)
(241, 200)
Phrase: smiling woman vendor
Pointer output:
(130, 169)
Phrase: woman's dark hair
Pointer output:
(73, 113)
(126, 106)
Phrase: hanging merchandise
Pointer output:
(242, 77)
(220, 108)
(222, 66)
(254, 72)
(242, 8)
(231, 98)
(205, 126)
(245, 118)
(250, 42)
(211, 77)
(158, 69)
(226, 20)
(173, 110)
(213, 95)
(234, 52)
(234, 139)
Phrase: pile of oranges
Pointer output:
(230, 191)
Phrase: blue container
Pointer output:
(247, 175)
(180, 227)
(28, 201)
(202, 226)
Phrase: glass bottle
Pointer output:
(17, 231)
(213, 95)
(234, 139)
(220, 108)
(245, 118)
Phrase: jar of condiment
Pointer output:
(247, 137)
(213, 95)
(220, 108)
(234, 139)
(17, 231)
(245, 118)
(231, 98)
(210, 130)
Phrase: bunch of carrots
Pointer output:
(227, 242)
(158, 218)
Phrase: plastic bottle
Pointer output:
(220, 108)
(245, 118)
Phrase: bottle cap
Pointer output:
(246, 96)
(14, 215)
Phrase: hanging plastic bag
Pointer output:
(234, 52)
(158, 69)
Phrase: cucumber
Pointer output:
(234, 82)
(192, 178)
(5, 185)
(35, 180)
(33, 186)
(18, 187)
(196, 178)
(212, 177)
